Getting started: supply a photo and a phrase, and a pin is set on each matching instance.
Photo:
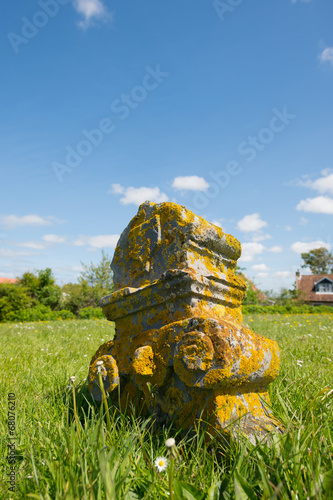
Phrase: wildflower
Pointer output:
(161, 464)
(300, 362)
(169, 443)
(72, 380)
(172, 450)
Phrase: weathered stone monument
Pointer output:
(181, 348)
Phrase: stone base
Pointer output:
(198, 369)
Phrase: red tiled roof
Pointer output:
(8, 280)
(306, 284)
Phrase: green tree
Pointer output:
(42, 287)
(77, 296)
(13, 298)
(49, 293)
(100, 275)
(31, 283)
(95, 281)
(318, 260)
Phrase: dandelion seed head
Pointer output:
(169, 443)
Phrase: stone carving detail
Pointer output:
(180, 345)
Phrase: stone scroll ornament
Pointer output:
(181, 349)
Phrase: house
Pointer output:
(8, 280)
(315, 289)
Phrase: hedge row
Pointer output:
(287, 309)
(45, 313)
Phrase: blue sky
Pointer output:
(222, 106)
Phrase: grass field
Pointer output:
(56, 459)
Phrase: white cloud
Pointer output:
(323, 184)
(101, 241)
(190, 183)
(136, 196)
(327, 55)
(262, 275)
(276, 249)
(31, 244)
(12, 221)
(288, 228)
(249, 250)
(18, 266)
(318, 205)
(56, 220)
(54, 238)
(260, 267)
(14, 253)
(261, 236)
(91, 10)
(117, 189)
(283, 274)
(251, 223)
(304, 247)
(303, 221)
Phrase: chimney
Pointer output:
(298, 275)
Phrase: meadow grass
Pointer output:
(59, 457)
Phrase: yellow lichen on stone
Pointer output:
(233, 405)
(217, 377)
(143, 362)
(180, 346)
(103, 349)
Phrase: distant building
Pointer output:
(315, 289)
(8, 280)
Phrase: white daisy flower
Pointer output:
(161, 463)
